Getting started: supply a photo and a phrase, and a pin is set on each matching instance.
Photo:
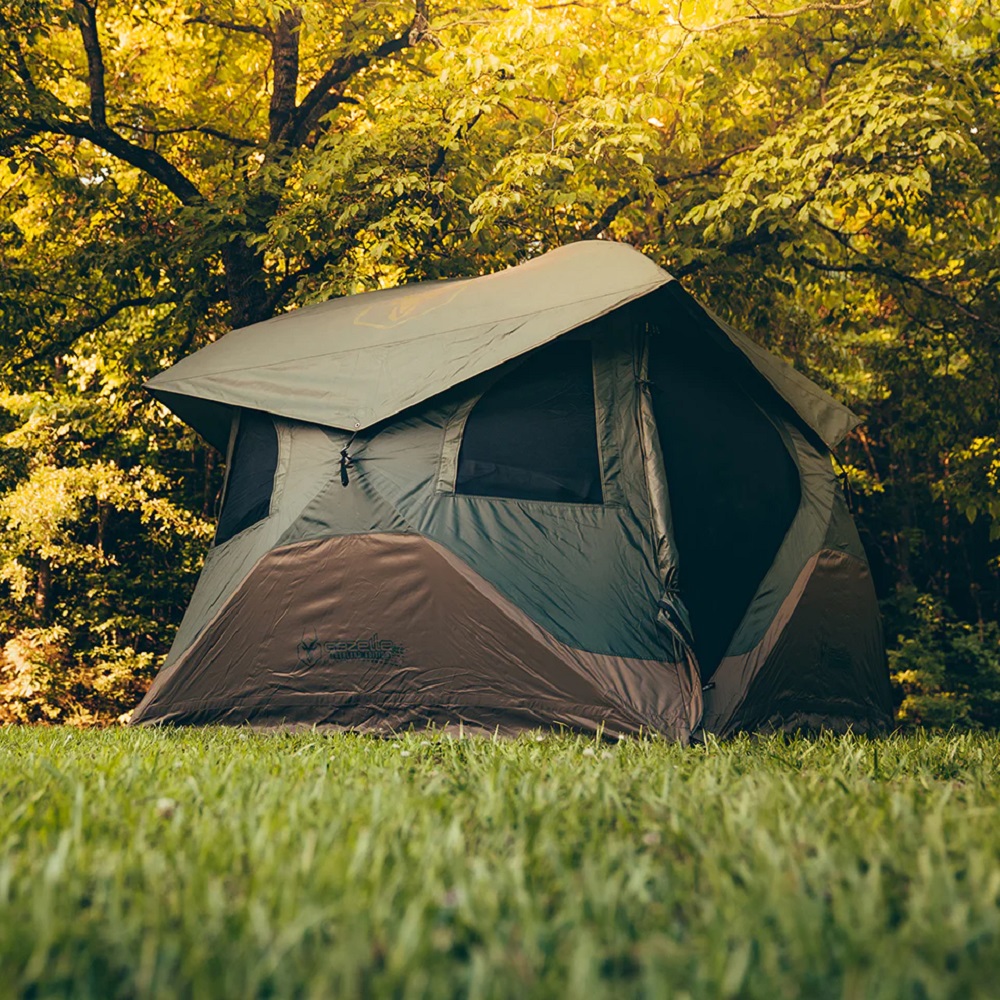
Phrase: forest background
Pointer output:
(825, 175)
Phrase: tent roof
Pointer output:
(354, 361)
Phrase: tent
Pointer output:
(561, 494)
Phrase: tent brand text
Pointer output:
(313, 651)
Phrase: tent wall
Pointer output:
(305, 464)
(378, 631)
(820, 664)
(809, 651)
(820, 492)
(578, 578)
(400, 599)
(586, 573)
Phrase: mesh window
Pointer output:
(734, 488)
(533, 435)
(251, 475)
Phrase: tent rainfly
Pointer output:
(561, 494)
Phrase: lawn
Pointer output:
(220, 863)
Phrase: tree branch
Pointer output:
(741, 245)
(246, 27)
(902, 278)
(664, 180)
(765, 15)
(216, 133)
(147, 160)
(290, 280)
(19, 58)
(66, 340)
(86, 13)
(332, 100)
(441, 153)
(847, 57)
(96, 130)
(307, 114)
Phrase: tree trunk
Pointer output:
(285, 50)
(248, 299)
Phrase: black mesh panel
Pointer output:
(734, 488)
(533, 435)
(251, 475)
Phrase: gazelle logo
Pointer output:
(312, 650)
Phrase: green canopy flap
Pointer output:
(354, 361)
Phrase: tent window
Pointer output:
(734, 488)
(533, 435)
(251, 475)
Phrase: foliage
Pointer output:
(824, 174)
(80, 637)
(43, 679)
(948, 671)
(226, 864)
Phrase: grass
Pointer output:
(221, 863)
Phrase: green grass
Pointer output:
(225, 864)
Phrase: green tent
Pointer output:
(561, 494)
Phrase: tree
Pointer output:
(823, 173)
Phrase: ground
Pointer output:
(220, 863)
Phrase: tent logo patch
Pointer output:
(312, 651)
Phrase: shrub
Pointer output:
(947, 671)
(42, 681)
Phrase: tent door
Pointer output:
(672, 615)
